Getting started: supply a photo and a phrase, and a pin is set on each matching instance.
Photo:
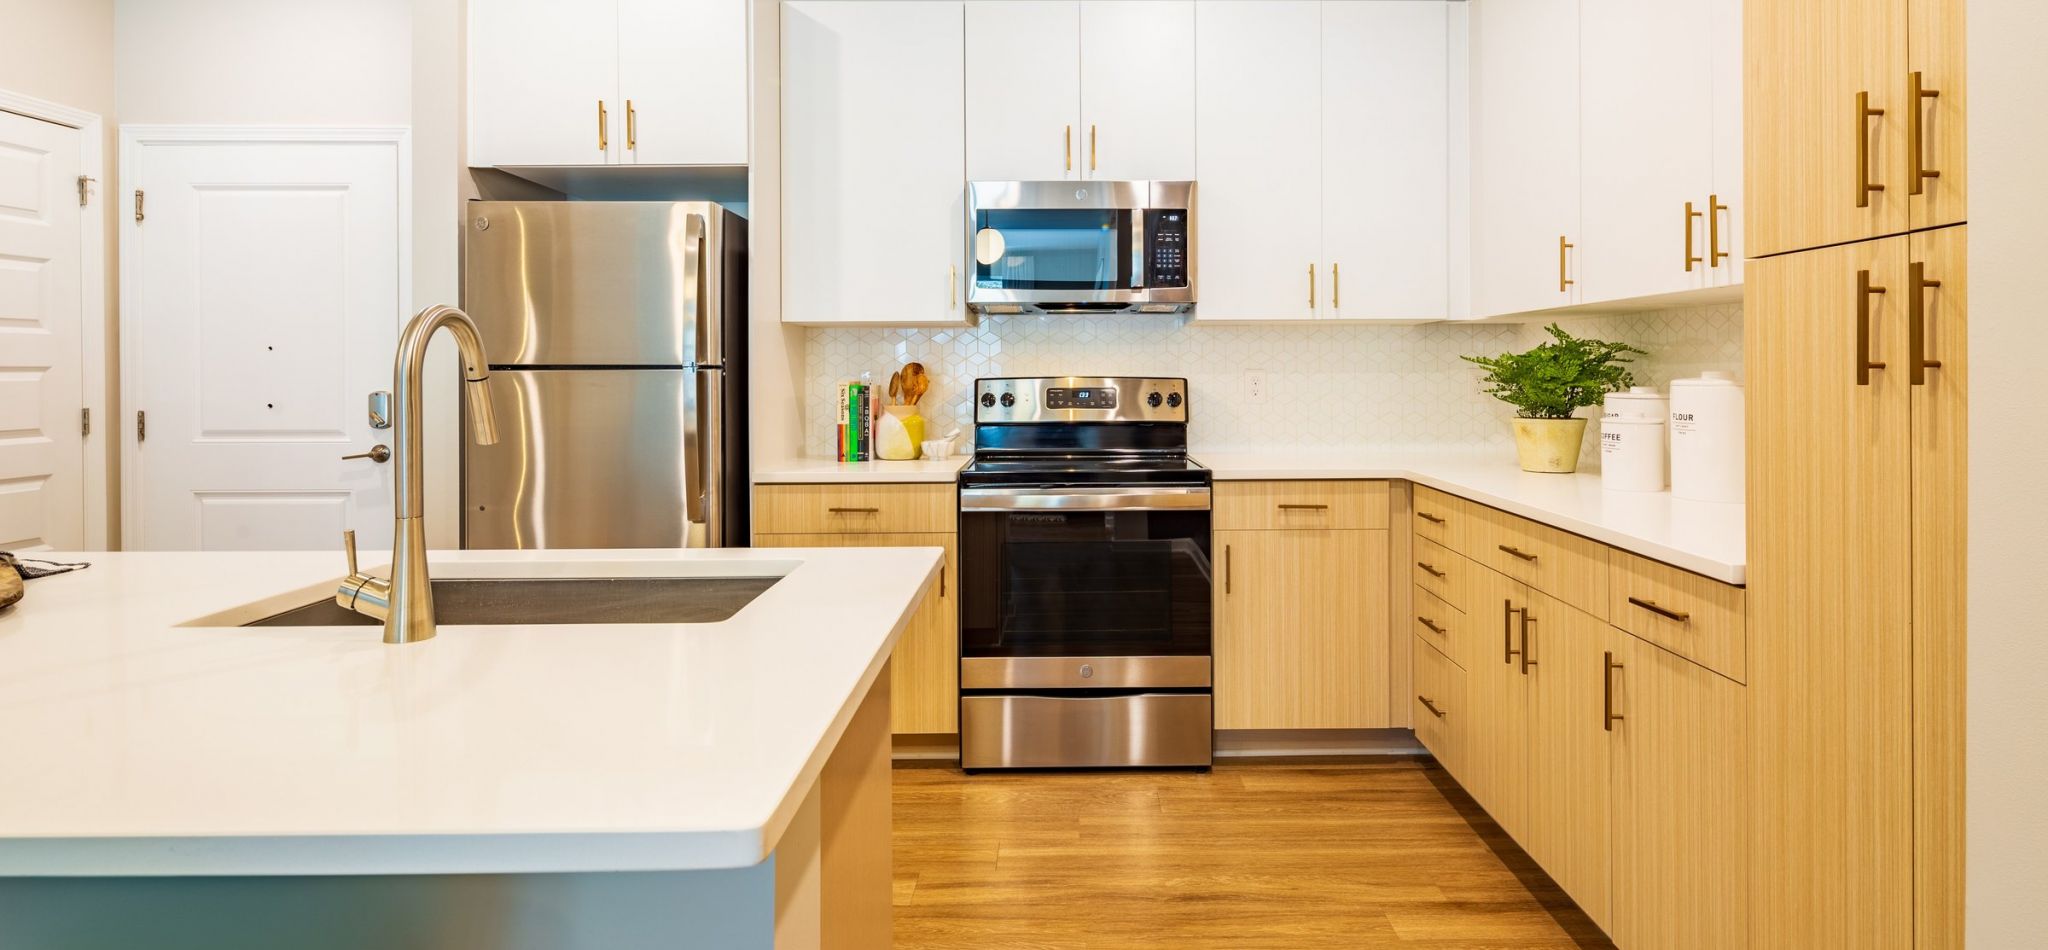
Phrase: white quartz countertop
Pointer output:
(804, 471)
(1703, 537)
(132, 745)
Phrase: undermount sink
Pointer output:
(512, 601)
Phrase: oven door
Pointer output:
(1085, 588)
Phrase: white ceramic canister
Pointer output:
(1706, 438)
(1632, 443)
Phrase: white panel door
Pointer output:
(264, 304)
(683, 81)
(873, 162)
(1725, 17)
(544, 82)
(1525, 154)
(1024, 90)
(1138, 89)
(42, 501)
(1258, 128)
(1645, 120)
(1386, 159)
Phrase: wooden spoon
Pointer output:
(896, 387)
(915, 382)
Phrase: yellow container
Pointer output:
(898, 433)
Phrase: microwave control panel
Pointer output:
(1167, 238)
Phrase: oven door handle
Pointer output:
(1084, 499)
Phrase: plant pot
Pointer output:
(1549, 445)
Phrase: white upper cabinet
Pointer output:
(1024, 90)
(1725, 19)
(1258, 141)
(683, 81)
(550, 82)
(1525, 154)
(873, 167)
(1386, 158)
(1137, 90)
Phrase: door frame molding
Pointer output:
(134, 139)
(92, 303)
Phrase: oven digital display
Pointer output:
(1097, 398)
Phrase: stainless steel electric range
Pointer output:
(1085, 578)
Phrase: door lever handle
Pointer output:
(377, 453)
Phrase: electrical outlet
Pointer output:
(1255, 385)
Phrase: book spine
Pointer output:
(867, 423)
(842, 443)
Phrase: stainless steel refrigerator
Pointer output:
(616, 333)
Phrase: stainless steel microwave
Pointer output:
(1081, 246)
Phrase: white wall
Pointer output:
(2008, 645)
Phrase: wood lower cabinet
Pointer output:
(1571, 788)
(1497, 698)
(1302, 629)
(1439, 700)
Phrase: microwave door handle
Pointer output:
(1137, 281)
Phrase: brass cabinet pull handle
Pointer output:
(1226, 570)
(1067, 148)
(1664, 612)
(1917, 285)
(1432, 706)
(1524, 651)
(942, 578)
(1507, 631)
(854, 511)
(1562, 280)
(1915, 125)
(1714, 253)
(1607, 693)
(1431, 624)
(1433, 572)
(1690, 258)
(1864, 288)
(1516, 552)
(632, 134)
(1311, 286)
(1301, 507)
(1091, 148)
(952, 286)
(603, 121)
(1336, 287)
(1426, 516)
(1864, 186)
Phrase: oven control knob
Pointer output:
(1087, 671)
(1153, 400)
(1009, 399)
(988, 399)
(1173, 400)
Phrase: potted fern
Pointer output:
(1550, 383)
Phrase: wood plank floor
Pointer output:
(1379, 852)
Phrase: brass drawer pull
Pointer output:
(603, 122)
(1304, 507)
(1517, 552)
(1714, 252)
(1426, 516)
(1917, 286)
(1915, 125)
(1607, 694)
(854, 511)
(1864, 364)
(1433, 628)
(1690, 259)
(1507, 631)
(1664, 612)
(1424, 700)
(1864, 113)
(1433, 572)
(1226, 570)
(1524, 651)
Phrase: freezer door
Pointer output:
(592, 459)
(597, 283)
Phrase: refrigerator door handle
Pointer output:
(710, 456)
(703, 346)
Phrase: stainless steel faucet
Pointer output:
(406, 602)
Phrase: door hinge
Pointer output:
(141, 426)
(85, 421)
(85, 188)
(138, 206)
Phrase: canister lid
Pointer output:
(1712, 377)
(1638, 404)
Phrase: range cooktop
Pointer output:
(1084, 469)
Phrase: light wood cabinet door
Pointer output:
(1810, 153)
(1646, 100)
(1023, 124)
(1138, 89)
(1258, 133)
(1680, 848)
(683, 81)
(1525, 154)
(1940, 551)
(1830, 597)
(1385, 158)
(1570, 781)
(873, 170)
(544, 83)
(924, 692)
(1935, 51)
(1302, 630)
(1497, 702)
(1439, 701)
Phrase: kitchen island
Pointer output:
(174, 779)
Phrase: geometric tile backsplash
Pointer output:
(1329, 387)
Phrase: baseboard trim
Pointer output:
(944, 747)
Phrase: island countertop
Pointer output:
(136, 744)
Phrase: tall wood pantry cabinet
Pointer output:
(1854, 347)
